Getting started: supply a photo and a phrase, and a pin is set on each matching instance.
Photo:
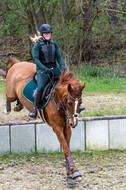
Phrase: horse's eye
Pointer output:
(70, 103)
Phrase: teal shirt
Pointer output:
(36, 51)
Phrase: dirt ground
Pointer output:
(96, 103)
(99, 172)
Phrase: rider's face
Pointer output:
(47, 36)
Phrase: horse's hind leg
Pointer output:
(18, 106)
(8, 106)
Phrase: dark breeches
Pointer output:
(43, 78)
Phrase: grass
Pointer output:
(102, 111)
(99, 80)
(2, 87)
(99, 85)
(38, 157)
(102, 81)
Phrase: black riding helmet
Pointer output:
(45, 28)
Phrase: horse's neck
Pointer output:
(60, 93)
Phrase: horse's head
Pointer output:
(71, 96)
(72, 102)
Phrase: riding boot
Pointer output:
(37, 97)
(81, 109)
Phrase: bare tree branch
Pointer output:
(117, 11)
(23, 16)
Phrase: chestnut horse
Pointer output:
(61, 113)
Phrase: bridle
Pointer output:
(75, 113)
(65, 107)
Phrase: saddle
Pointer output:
(46, 95)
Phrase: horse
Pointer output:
(61, 113)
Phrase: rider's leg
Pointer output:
(42, 80)
(37, 97)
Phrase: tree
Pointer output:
(84, 29)
(112, 12)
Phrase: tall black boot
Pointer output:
(37, 97)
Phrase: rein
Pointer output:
(65, 108)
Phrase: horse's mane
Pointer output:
(68, 78)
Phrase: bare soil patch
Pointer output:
(107, 103)
(99, 172)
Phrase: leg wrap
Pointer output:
(69, 164)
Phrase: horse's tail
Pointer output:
(11, 61)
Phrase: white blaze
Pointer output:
(75, 110)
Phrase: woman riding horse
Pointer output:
(45, 53)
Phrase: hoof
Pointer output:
(76, 175)
(17, 109)
(6, 112)
(71, 182)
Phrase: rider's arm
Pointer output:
(59, 57)
(35, 53)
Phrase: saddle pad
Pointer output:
(28, 93)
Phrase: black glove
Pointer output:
(47, 71)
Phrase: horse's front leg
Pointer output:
(69, 162)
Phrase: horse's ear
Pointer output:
(70, 89)
(83, 86)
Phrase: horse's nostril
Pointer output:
(71, 125)
(75, 115)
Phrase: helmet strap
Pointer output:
(43, 37)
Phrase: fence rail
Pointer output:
(92, 133)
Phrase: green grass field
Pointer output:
(96, 85)
(2, 87)
(100, 79)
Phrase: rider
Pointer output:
(45, 54)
